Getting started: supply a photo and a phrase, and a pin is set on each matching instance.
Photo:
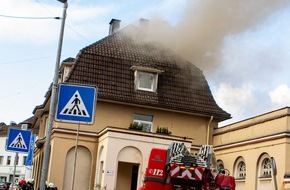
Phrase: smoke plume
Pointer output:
(221, 37)
(199, 35)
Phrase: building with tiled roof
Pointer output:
(111, 62)
(141, 84)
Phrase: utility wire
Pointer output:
(24, 60)
(28, 60)
(77, 33)
(25, 89)
(44, 7)
(22, 17)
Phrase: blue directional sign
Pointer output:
(18, 140)
(76, 103)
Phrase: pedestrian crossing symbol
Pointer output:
(18, 140)
(76, 103)
(75, 106)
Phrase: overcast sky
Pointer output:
(242, 46)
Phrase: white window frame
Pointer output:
(139, 70)
(266, 168)
(241, 170)
(153, 82)
(140, 122)
(143, 122)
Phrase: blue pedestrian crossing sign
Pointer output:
(18, 140)
(76, 104)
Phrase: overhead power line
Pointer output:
(23, 17)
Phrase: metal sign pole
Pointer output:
(75, 158)
(14, 171)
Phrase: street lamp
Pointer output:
(53, 102)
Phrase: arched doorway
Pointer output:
(82, 170)
(129, 164)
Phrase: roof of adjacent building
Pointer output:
(5, 128)
(108, 65)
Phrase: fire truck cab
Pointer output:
(176, 168)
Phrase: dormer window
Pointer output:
(65, 68)
(146, 78)
(146, 81)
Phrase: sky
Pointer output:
(242, 47)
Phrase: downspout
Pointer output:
(208, 127)
(274, 169)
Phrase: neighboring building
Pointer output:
(247, 147)
(139, 83)
(7, 159)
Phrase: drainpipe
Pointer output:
(208, 129)
(274, 168)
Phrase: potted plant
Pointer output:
(163, 130)
(136, 126)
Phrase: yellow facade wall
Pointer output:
(266, 135)
(121, 116)
(118, 116)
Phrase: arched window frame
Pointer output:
(264, 167)
(240, 168)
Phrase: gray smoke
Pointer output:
(199, 35)
(212, 34)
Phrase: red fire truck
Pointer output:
(178, 169)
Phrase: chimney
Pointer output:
(114, 26)
(143, 23)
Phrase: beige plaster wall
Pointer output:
(120, 116)
(139, 145)
(251, 132)
(251, 154)
(260, 126)
(250, 139)
(116, 115)
(61, 143)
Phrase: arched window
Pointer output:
(266, 168)
(240, 168)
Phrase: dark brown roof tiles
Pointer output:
(108, 64)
